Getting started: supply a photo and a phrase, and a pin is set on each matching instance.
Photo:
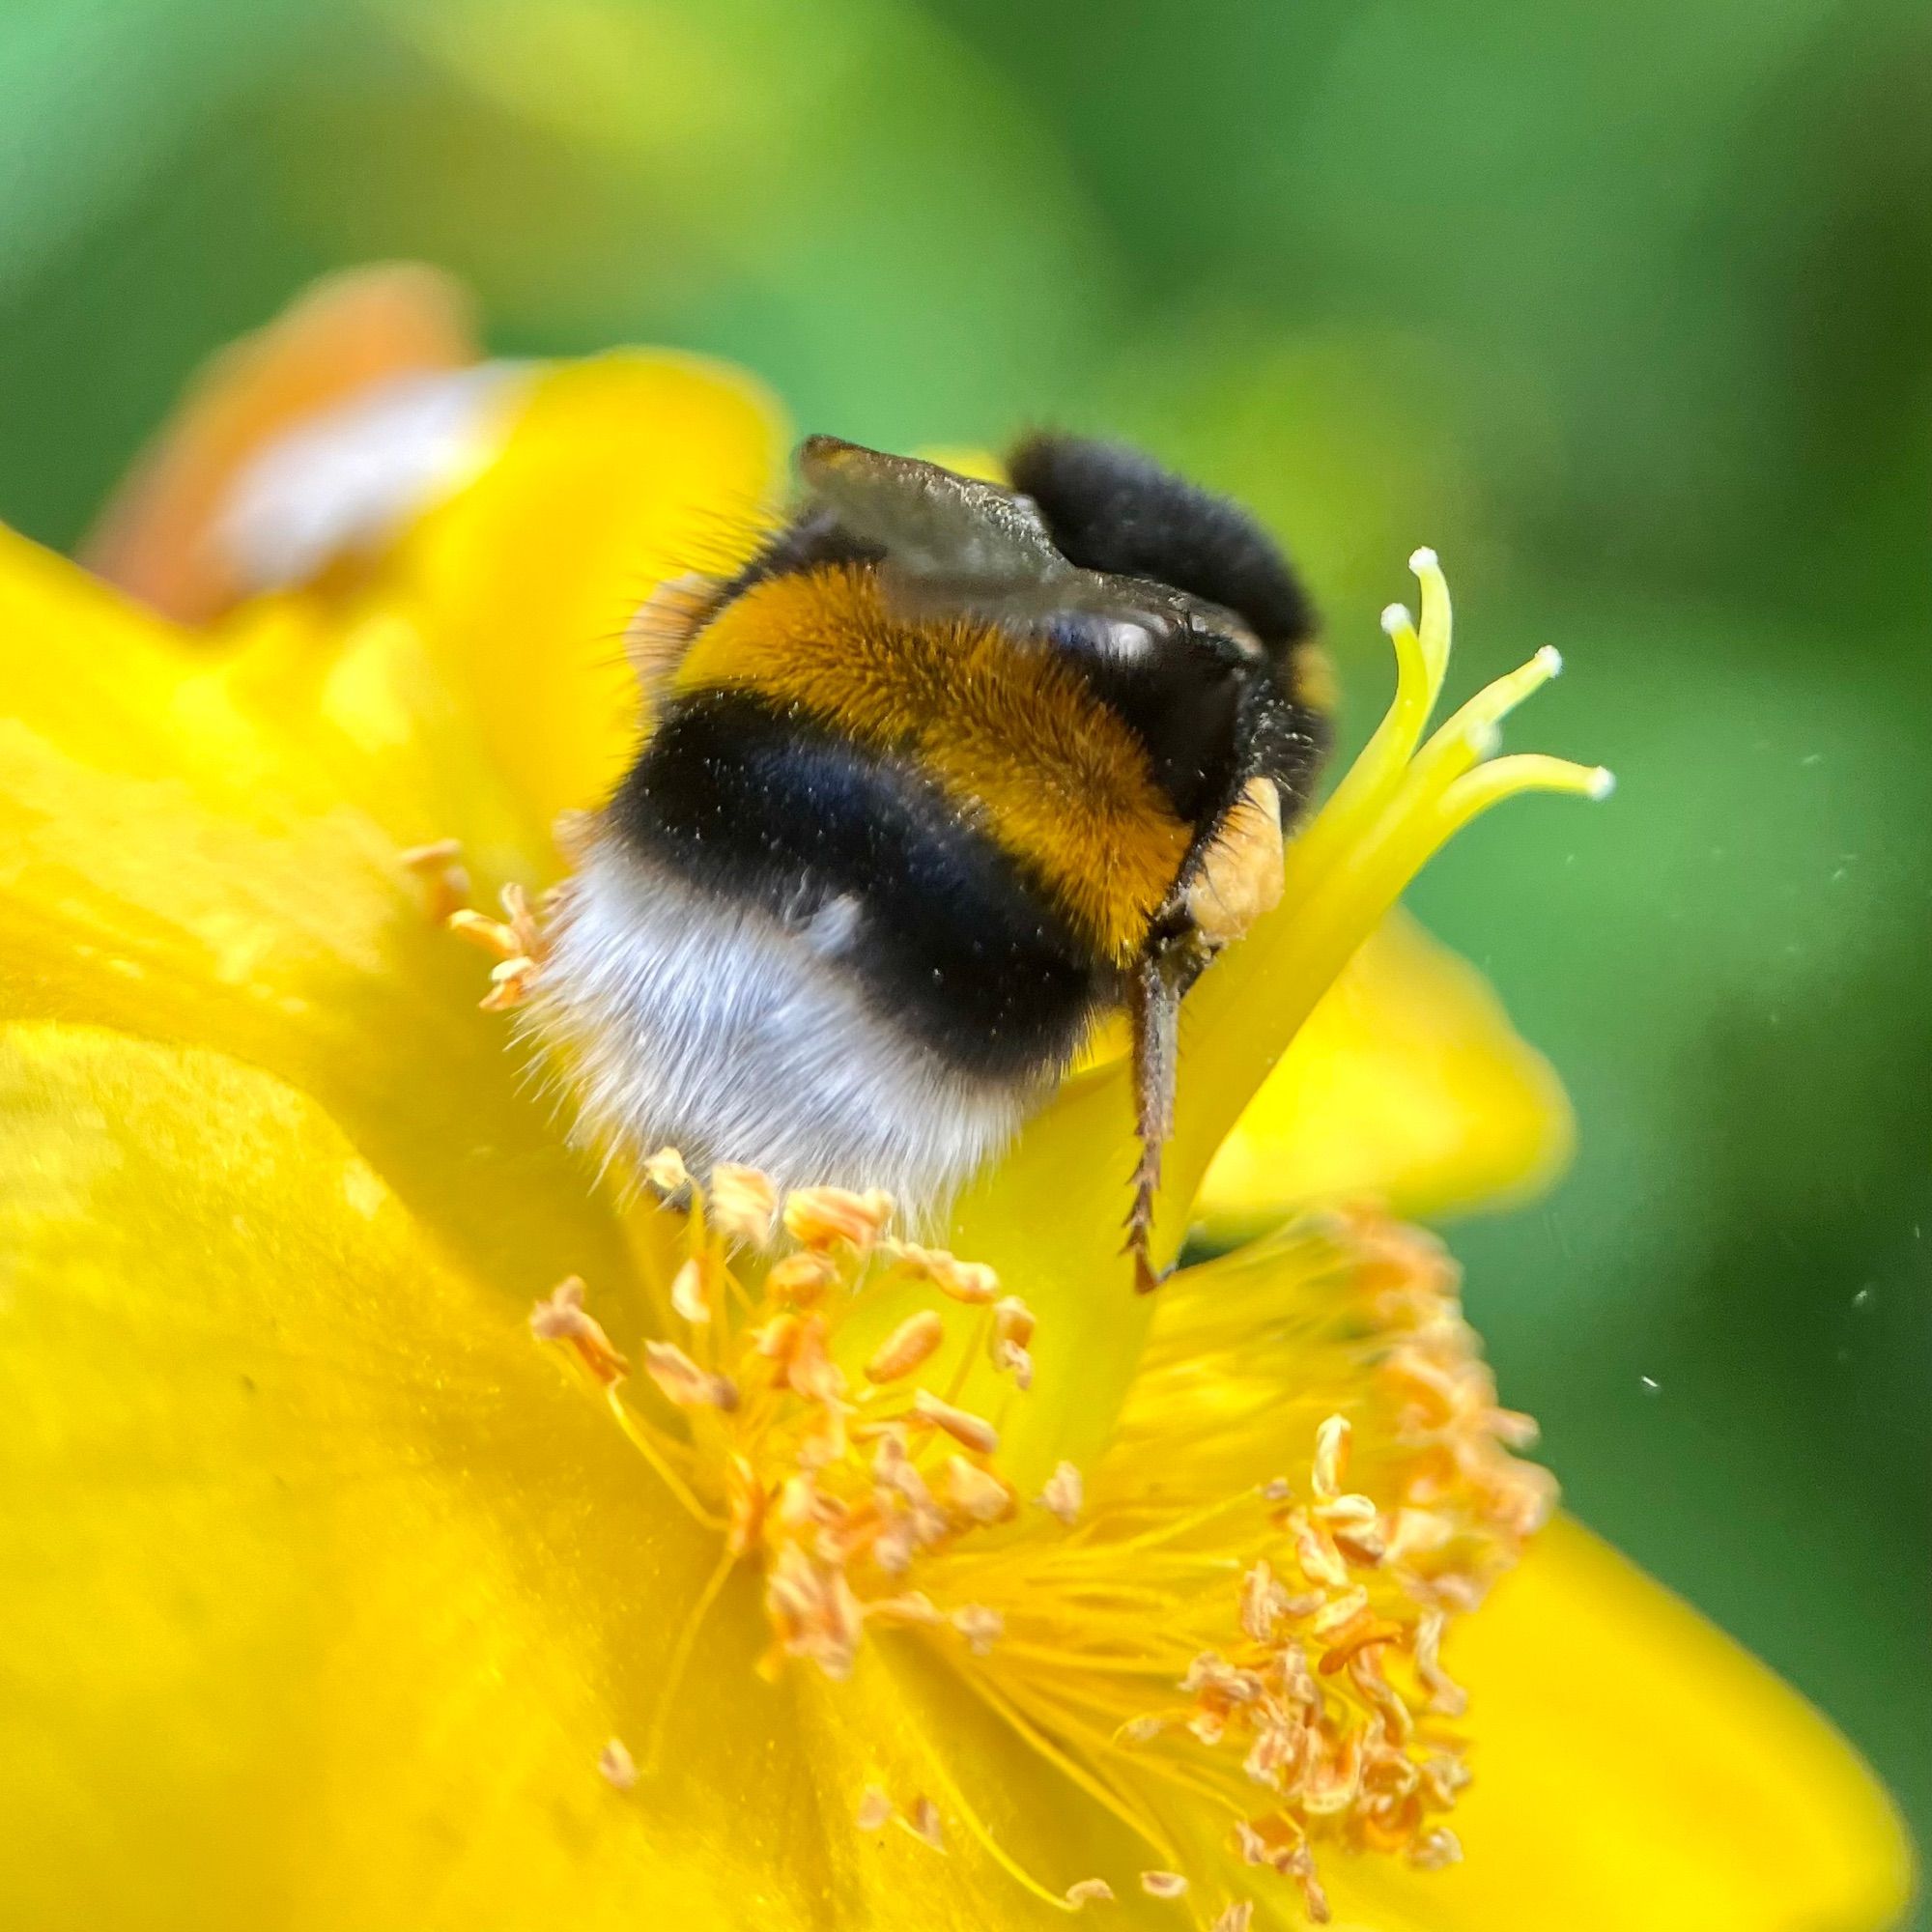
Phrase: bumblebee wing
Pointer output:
(950, 542)
(932, 524)
(156, 538)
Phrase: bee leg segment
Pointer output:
(1158, 979)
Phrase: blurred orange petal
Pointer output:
(156, 539)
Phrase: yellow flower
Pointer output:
(789, 1574)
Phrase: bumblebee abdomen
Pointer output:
(867, 862)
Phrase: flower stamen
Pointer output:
(445, 878)
(517, 940)
(560, 1316)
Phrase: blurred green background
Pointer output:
(1628, 309)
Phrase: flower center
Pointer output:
(1243, 1606)
(837, 1480)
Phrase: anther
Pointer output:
(687, 1292)
(1012, 1321)
(910, 1344)
(511, 984)
(970, 1282)
(560, 1316)
(912, 1607)
(1445, 1694)
(982, 1497)
(667, 1175)
(1331, 1457)
(1064, 1494)
(1435, 1848)
(439, 867)
(809, 1370)
(922, 1821)
(617, 1767)
(1339, 1612)
(800, 1279)
(980, 1627)
(964, 1427)
(1263, 1603)
(823, 1217)
(1012, 1330)
(683, 1382)
(492, 935)
(516, 939)
(742, 1204)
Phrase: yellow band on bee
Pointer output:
(1009, 733)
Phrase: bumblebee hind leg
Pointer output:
(1160, 979)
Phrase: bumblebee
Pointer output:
(949, 771)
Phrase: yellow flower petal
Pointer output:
(180, 857)
(325, 1590)
(1408, 1083)
(326, 1584)
(620, 472)
(1636, 1767)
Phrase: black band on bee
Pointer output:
(871, 863)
